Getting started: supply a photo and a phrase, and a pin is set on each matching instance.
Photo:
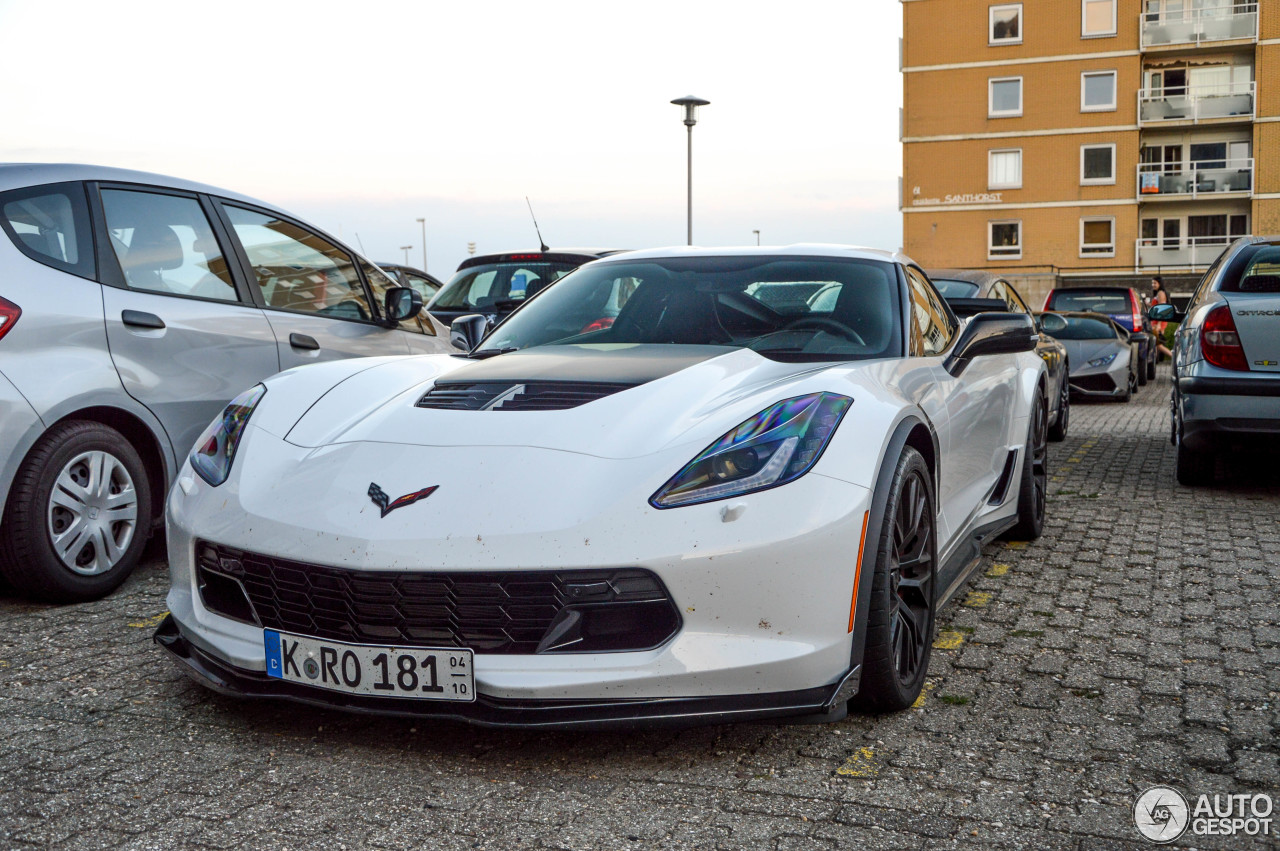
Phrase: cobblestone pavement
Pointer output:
(1136, 643)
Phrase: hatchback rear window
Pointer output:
(498, 286)
(1092, 302)
(50, 224)
(1258, 273)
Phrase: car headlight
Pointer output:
(1103, 361)
(776, 446)
(215, 451)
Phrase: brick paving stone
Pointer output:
(1135, 644)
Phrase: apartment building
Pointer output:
(1088, 140)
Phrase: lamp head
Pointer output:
(690, 104)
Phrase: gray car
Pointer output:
(134, 307)
(1226, 359)
(1103, 354)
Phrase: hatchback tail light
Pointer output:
(1220, 342)
(1048, 300)
(9, 313)
(1137, 311)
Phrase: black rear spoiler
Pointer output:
(963, 308)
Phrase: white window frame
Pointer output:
(991, 24)
(1115, 83)
(1083, 17)
(1098, 181)
(991, 255)
(1109, 219)
(991, 97)
(991, 183)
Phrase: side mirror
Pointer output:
(963, 308)
(992, 334)
(1164, 313)
(466, 332)
(401, 303)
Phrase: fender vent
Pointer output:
(1001, 491)
(511, 396)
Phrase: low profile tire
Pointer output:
(1151, 369)
(900, 622)
(1033, 484)
(1195, 469)
(1058, 431)
(1129, 389)
(78, 515)
(1142, 373)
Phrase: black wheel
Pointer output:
(1129, 390)
(1033, 485)
(78, 515)
(900, 622)
(1058, 431)
(1195, 469)
(1142, 372)
(1151, 368)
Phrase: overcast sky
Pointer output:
(362, 117)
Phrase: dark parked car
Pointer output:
(493, 285)
(1123, 305)
(966, 291)
(1103, 353)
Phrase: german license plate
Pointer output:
(422, 673)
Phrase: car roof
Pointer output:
(1090, 288)
(972, 276)
(19, 175)
(796, 250)
(586, 255)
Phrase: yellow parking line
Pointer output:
(924, 695)
(949, 639)
(977, 599)
(998, 570)
(861, 763)
(149, 622)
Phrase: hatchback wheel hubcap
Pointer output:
(93, 513)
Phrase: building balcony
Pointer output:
(1194, 104)
(1188, 252)
(1211, 178)
(1199, 26)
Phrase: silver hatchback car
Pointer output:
(132, 308)
(1226, 359)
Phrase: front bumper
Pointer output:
(822, 703)
(1100, 382)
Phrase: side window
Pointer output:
(298, 270)
(165, 245)
(50, 224)
(379, 283)
(1203, 286)
(931, 327)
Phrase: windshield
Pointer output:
(955, 289)
(1093, 302)
(1077, 327)
(785, 308)
(498, 286)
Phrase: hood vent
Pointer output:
(517, 396)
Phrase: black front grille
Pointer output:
(499, 612)
(517, 396)
(1094, 383)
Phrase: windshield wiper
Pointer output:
(491, 353)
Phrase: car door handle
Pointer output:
(139, 319)
(304, 342)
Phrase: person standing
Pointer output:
(1159, 296)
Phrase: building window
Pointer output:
(1097, 18)
(1004, 169)
(1004, 97)
(1097, 164)
(1098, 237)
(1004, 240)
(1005, 24)
(1098, 91)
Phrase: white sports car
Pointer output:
(678, 483)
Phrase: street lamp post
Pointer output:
(423, 222)
(757, 233)
(690, 104)
(405, 249)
